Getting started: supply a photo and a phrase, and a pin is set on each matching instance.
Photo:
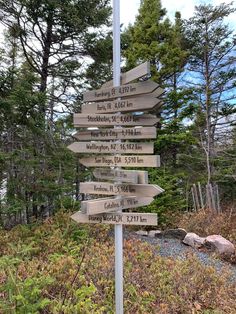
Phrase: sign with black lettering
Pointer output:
(116, 134)
(133, 74)
(117, 218)
(121, 161)
(131, 176)
(111, 148)
(105, 188)
(102, 205)
(86, 120)
(142, 103)
(121, 91)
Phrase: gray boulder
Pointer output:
(155, 234)
(193, 240)
(178, 233)
(142, 233)
(219, 244)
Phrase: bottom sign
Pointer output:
(117, 218)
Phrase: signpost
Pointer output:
(111, 148)
(117, 134)
(121, 161)
(133, 74)
(98, 206)
(122, 91)
(108, 107)
(130, 176)
(141, 103)
(86, 120)
(105, 188)
(117, 218)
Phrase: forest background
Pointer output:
(53, 51)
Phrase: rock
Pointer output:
(175, 233)
(220, 244)
(193, 240)
(142, 233)
(155, 234)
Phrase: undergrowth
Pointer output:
(62, 267)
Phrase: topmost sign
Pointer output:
(133, 74)
(121, 91)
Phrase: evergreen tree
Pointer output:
(153, 37)
(38, 170)
(212, 74)
(55, 34)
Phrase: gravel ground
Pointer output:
(168, 247)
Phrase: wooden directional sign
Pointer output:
(117, 218)
(115, 134)
(106, 188)
(111, 148)
(121, 91)
(102, 205)
(133, 74)
(121, 161)
(141, 103)
(86, 120)
(130, 176)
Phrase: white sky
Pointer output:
(129, 9)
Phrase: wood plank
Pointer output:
(133, 74)
(121, 91)
(103, 205)
(116, 134)
(106, 188)
(95, 120)
(142, 103)
(130, 176)
(121, 161)
(111, 148)
(138, 219)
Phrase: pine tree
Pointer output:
(212, 74)
(54, 36)
(153, 37)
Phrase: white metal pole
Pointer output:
(118, 228)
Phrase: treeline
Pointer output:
(52, 51)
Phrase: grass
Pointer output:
(63, 267)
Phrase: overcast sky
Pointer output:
(129, 9)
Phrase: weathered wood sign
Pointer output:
(86, 120)
(102, 205)
(130, 176)
(115, 134)
(111, 148)
(121, 91)
(105, 188)
(121, 161)
(124, 105)
(133, 74)
(103, 108)
(117, 218)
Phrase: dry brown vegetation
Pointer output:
(62, 267)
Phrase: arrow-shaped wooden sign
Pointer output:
(130, 176)
(111, 148)
(133, 74)
(115, 134)
(141, 103)
(106, 188)
(120, 91)
(86, 120)
(117, 218)
(102, 205)
(121, 161)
